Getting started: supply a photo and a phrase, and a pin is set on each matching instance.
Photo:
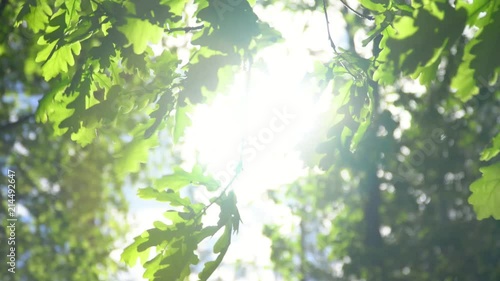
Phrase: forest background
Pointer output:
(277, 140)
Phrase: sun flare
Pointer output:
(257, 125)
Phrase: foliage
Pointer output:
(485, 195)
(64, 199)
(108, 88)
(395, 209)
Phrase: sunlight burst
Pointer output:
(258, 127)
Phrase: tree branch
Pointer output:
(20, 121)
(332, 44)
(185, 29)
(356, 12)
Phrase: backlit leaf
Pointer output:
(181, 178)
(61, 58)
(492, 151)
(130, 157)
(221, 246)
(486, 62)
(141, 32)
(182, 121)
(36, 13)
(130, 253)
(485, 196)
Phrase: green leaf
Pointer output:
(229, 211)
(464, 82)
(177, 180)
(134, 153)
(155, 237)
(36, 14)
(224, 240)
(208, 231)
(81, 32)
(141, 32)
(416, 42)
(232, 25)
(53, 108)
(479, 63)
(130, 253)
(160, 225)
(492, 151)
(486, 61)
(60, 59)
(147, 193)
(176, 7)
(180, 178)
(474, 10)
(221, 246)
(485, 196)
(84, 136)
(182, 121)
(173, 216)
(164, 106)
(364, 118)
(163, 196)
(174, 263)
(373, 5)
(204, 74)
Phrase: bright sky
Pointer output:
(262, 127)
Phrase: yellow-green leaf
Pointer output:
(141, 32)
(61, 58)
(38, 16)
(492, 151)
(485, 196)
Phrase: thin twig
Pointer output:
(204, 210)
(185, 29)
(356, 12)
(332, 44)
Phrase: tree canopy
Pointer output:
(403, 174)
